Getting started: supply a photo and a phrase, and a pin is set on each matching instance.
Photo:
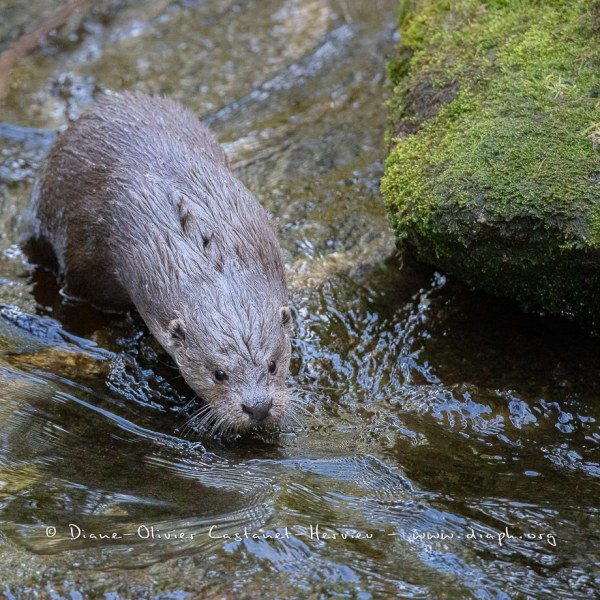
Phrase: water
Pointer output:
(450, 442)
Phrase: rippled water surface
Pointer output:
(449, 443)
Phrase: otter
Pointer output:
(137, 207)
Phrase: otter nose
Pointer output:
(258, 410)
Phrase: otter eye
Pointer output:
(272, 367)
(220, 375)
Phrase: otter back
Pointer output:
(136, 196)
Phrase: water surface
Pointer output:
(449, 441)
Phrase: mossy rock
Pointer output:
(494, 175)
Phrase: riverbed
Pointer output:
(447, 445)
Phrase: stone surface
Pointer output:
(494, 175)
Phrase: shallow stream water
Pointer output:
(449, 445)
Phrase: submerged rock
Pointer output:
(495, 171)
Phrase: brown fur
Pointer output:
(137, 201)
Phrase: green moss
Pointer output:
(495, 173)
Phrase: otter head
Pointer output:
(235, 354)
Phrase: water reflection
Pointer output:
(458, 433)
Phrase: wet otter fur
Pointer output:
(138, 206)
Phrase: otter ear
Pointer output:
(286, 317)
(176, 332)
